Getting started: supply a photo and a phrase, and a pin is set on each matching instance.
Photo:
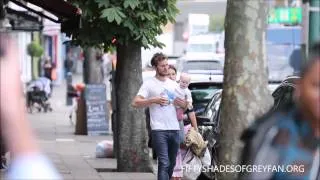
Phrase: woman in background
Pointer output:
(47, 67)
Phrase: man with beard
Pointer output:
(157, 93)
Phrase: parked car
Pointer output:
(202, 93)
(207, 97)
(209, 118)
(282, 95)
(202, 69)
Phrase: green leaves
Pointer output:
(129, 24)
(145, 16)
(132, 3)
(144, 41)
(103, 3)
(113, 14)
(127, 20)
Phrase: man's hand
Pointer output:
(140, 101)
(180, 102)
(160, 100)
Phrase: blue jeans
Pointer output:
(181, 132)
(166, 144)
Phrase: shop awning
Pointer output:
(60, 8)
(23, 21)
(63, 10)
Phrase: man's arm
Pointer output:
(181, 103)
(141, 102)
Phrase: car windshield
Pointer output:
(200, 48)
(203, 93)
(201, 65)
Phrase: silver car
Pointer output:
(202, 70)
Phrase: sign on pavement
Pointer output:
(96, 106)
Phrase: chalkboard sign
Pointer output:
(96, 106)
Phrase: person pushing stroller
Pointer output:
(38, 92)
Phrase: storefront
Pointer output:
(45, 17)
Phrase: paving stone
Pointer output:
(107, 163)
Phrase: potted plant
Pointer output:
(34, 49)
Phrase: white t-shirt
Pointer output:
(161, 117)
(183, 94)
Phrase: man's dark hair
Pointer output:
(314, 57)
(157, 57)
(172, 67)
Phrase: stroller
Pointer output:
(38, 93)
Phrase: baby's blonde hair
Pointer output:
(185, 75)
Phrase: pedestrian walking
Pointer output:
(178, 170)
(47, 68)
(156, 93)
(289, 138)
(68, 64)
(106, 68)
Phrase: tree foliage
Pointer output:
(123, 20)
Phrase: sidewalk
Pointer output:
(74, 155)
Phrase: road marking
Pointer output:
(64, 140)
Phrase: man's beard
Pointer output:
(162, 74)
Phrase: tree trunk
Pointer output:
(245, 92)
(92, 74)
(81, 123)
(132, 152)
(92, 67)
